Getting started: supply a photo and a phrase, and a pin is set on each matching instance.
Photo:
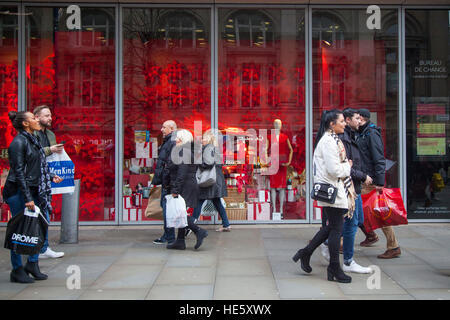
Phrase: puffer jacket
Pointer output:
(25, 167)
(328, 168)
(371, 148)
(180, 178)
(351, 148)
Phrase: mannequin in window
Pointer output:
(278, 180)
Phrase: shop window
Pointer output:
(427, 41)
(261, 87)
(166, 62)
(73, 71)
(8, 92)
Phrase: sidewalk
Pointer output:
(250, 262)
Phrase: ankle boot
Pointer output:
(19, 275)
(201, 234)
(334, 271)
(304, 258)
(177, 245)
(33, 268)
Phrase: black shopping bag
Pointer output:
(25, 233)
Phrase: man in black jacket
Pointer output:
(374, 163)
(348, 138)
(164, 153)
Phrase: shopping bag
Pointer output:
(61, 165)
(208, 209)
(25, 233)
(176, 213)
(385, 209)
(154, 209)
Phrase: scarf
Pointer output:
(45, 182)
(348, 183)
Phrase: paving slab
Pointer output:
(245, 288)
(181, 292)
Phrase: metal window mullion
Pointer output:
(309, 111)
(402, 104)
(119, 117)
(21, 58)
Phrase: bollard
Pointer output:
(69, 215)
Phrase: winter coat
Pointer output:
(163, 156)
(180, 178)
(371, 149)
(351, 148)
(219, 189)
(329, 169)
(25, 167)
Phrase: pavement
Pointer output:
(252, 262)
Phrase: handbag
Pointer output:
(154, 209)
(324, 192)
(25, 233)
(206, 178)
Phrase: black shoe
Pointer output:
(159, 241)
(19, 275)
(334, 271)
(304, 258)
(201, 234)
(33, 268)
(177, 245)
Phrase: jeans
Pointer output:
(350, 228)
(219, 207)
(45, 246)
(17, 205)
(169, 233)
(331, 231)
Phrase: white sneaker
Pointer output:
(325, 252)
(49, 253)
(356, 268)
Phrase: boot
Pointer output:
(177, 245)
(371, 237)
(18, 275)
(33, 268)
(201, 234)
(304, 258)
(334, 271)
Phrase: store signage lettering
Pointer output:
(430, 69)
(74, 20)
(374, 20)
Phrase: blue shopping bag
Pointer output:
(61, 165)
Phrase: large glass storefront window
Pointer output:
(427, 113)
(9, 42)
(261, 90)
(71, 68)
(358, 68)
(166, 76)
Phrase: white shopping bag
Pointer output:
(176, 213)
(61, 165)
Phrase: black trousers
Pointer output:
(191, 225)
(331, 231)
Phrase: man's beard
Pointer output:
(44, 126)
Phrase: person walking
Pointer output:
(348, 138)
(371, 147)
(217, 191)
(28, 184)
(179, 180)
(331, 166)
(47, 139)
(164, 152)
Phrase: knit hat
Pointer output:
(364, 113)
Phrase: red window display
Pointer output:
(73, 72)
(261, 87)
(8, 92)
(358, 68)
(166, 76)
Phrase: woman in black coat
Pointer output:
(219, 189)
(28, 185)
(179, 179)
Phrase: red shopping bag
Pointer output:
(385, 209)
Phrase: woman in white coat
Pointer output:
(330, 166)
